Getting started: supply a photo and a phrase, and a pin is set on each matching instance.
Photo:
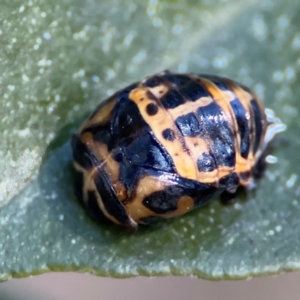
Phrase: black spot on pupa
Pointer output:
(193, 91)
(151, 109)
(165, 201)
(188, 125)
(218, 129)
(168, 134)
(206, 163)
(172, 99)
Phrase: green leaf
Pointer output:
(60, 58)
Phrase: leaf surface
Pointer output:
(59, 59)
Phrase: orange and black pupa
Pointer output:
(170, 143)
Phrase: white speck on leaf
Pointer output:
(291, 181)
